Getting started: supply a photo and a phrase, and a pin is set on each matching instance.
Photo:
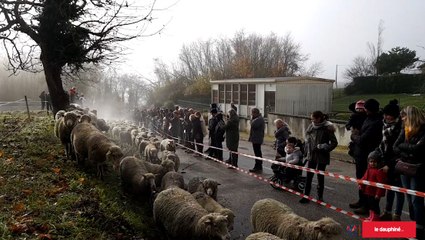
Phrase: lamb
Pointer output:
(172, 179)
(269, 215)
(183, 218)
(173, 157)
(262, 236)
(102, 150)
(64, 128)
(159, 169)
(136, 179)
(206, 185)
(167, 144)
(151, 153)
(209, 204)
(79, 136)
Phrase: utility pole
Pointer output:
(336, 76)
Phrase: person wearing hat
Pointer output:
(372, 193)
(366, 141)
(355, 122)
(390, 131)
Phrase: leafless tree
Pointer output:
(59, 34)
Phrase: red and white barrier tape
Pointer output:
(325, 173)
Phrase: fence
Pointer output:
(23, 104)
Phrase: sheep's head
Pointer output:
(210, 186)
(230, 217)
(213, 226)
(168, 165)
(60, 114)
(149, 180)
(70, 119)
(85, 118)
(114, 155)
(326, 228)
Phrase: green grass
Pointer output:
(43, 197)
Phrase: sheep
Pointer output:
(269, 215)
(142, 146)
(172, 179)
(206, 185)
(173, 157)
(263, 236)
(59, 114)
(101, 150)
(79, 136)
(183, 218)
(159, 169)
(209, 204)
(64, 128)
(168, 144)
(125, 136)
(151, 153)
(136, 179)
(101, 125)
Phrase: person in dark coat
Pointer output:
(281, 134)
(365, 142)
(233, 106)
(256, 137)
(175, 125)
(232, 136)
(410, 147)
(390, 132)
(320, 141)
(212, 124)
(355, 122)
(43, 99)
(219, 136)
(197, 132)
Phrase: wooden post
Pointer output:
(28, 110)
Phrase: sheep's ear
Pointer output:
(218, 184)
(208, 221)
(108, 153)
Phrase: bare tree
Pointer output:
(59, 34)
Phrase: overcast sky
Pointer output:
(330, 31)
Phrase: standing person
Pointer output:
(212, 123)
(48, 102)
(197, 131)
(281, 134)
(410, 146)
(232, 136)
(219, 136)
(355, 122)
(43, 99)
(233, 106)
(373, 194)
(175, 125)
(366, 141)
(72, 94)
(390, 132)
(320, 141)
(256, 137)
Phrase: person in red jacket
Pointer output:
(373, 194)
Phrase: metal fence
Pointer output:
(21, 105)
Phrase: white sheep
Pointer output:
(263, 236)
(183, 218)
(136, 179)
(172, 179)
(209, 204)
(64, 128)
(173, 157)
(206, 185)
(79, 137)
(167, 144)
(151, 153)
(159, 169)
(269, 215)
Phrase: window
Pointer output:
(244, 94)
(251, 94)
(215, 96)
(221, 93)
(269, 101)
(228, 93)
(235, 93)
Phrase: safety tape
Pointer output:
(325, 173)
(7, 103)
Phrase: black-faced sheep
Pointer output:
(102, 150)
(206, 185)
(209, 204)
(269, 215)
(168, 144)
(173, 157)
(172, 179)
(183, 218)
(136, 179)
(79, 137)
(64, 128)
(263, 236)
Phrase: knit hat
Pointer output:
(376, 155)
(392, 109)
(372, 105)
(360, 104)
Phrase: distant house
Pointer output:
(297, 96)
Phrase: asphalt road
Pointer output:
(239, 191)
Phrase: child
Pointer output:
(294, 156)
(373, 194)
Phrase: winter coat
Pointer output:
(369, 138)
(295, 158)
(232, 132)
(356, 120)
(412, 150)
(197, 128)
(390, 133)
(281, 135)
(374, 175)
(323, 134)
(256, 134)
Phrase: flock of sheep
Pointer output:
(184, 211)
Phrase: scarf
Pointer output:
(388, 131)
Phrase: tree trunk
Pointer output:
(60, 99)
